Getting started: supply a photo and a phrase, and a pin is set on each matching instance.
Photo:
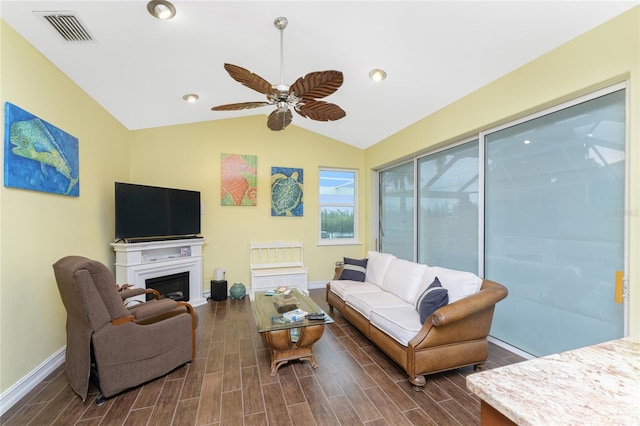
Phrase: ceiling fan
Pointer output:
(302, 96)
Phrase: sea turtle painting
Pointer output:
(286, 191)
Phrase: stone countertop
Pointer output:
(595, 385)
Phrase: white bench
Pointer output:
(277, 264)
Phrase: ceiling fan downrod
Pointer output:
(281, 23)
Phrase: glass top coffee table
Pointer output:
(288, 340)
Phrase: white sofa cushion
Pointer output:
(377, 266)
(400, 323)
(403, 278)
(458, 283)
(364, 303)
(344, 287)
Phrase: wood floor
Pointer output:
(229, 383)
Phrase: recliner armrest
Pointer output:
(131, 292)
(490, 294)
(153, 308)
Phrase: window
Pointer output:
(338, 208)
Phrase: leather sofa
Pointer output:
(383, 308)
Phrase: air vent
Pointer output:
(67, 25)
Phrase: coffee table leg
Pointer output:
(283, 350)
(276, 365)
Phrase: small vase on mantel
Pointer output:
(237, 291)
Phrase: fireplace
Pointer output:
(141, 263)
(174, 286)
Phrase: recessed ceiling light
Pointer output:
(377, 74)
(161, 9)
(191, 97)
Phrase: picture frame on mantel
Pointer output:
(39, 156)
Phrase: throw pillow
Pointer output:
(354, 269)
(433, 298)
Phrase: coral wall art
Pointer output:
(238, 180)
(38, 155)
(286, 191)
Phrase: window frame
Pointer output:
(354, 206)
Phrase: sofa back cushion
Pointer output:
(377, 265)
(459, 284)
(403, 278)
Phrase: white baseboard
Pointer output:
(311, 285)
(23, 386)
(523, 354)
(318, 284)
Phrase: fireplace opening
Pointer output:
(174, 286)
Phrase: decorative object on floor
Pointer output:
(238, 180)
(237, 291)
(39, 156)
(301, 96)
(286, 191)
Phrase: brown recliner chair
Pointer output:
(117, 347)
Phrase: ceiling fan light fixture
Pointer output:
(377, 75)
(191, 97)
(161, 9)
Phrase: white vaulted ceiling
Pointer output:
(434, 52)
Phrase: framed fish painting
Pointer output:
(39, 156)
(238, 180)
(286, 191)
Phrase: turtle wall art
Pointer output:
(39, 156)
(238, 180)
(286, 191)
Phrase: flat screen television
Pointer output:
(151, 212)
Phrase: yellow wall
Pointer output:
(609, 53)
(188, 157)
(38, 228)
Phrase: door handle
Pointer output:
(619, 286)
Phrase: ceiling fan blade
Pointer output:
(320, 111)
(279, 119)
(239, 106)
(317, 84)
(249, 79)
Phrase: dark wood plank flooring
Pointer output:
(229, 383)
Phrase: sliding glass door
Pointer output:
(448, 208)
(537, 205)
(397, 198)
(554, 225)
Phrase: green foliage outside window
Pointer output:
(337, 223)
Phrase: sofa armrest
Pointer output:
(457, 320)
(490, 293)
(338, 272)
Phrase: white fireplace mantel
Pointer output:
(138, 262)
